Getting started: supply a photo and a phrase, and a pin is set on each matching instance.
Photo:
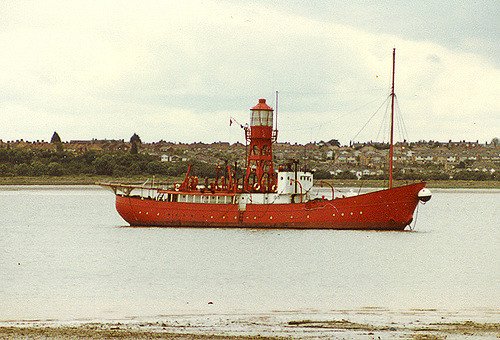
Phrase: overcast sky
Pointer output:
(178, 70)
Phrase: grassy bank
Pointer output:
(90, 180)
(452, 184)
(79, 180)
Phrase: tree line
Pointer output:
(27, 162)
(19, 162)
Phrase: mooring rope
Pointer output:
(416, 218)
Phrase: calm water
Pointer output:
(65, 254)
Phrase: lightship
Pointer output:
(267, 198)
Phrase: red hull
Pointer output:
(390, 209)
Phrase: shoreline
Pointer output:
(341, 183)
(368, 322)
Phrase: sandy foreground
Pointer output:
(367, 323)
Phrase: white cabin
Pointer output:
(290, 182)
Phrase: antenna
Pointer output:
(276, 123)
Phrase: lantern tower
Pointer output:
(260, 175)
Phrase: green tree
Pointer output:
(334, 142)
(135, 169)
(103, 165)
(56, 140)
(135, 141)
(134, 149)
(5, 170)
(38, 168)
(23, 169)
(121, 171)
(155, 168)
(135, 138)
(55, 169)
(322, 174)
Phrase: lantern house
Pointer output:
(260, 175)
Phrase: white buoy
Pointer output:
(424, 195)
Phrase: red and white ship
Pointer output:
(265, 198)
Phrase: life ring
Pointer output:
(256, 186)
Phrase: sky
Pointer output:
(179, 70)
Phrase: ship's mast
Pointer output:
(391, 146)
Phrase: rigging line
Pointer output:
(301, 127)
(387, 126)
(402, 120)
(373, 115)
(355, 109)
(361, 185)
(403, 131)
(366, 90)
(397, 117)
(383, 124)
(399, 126)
